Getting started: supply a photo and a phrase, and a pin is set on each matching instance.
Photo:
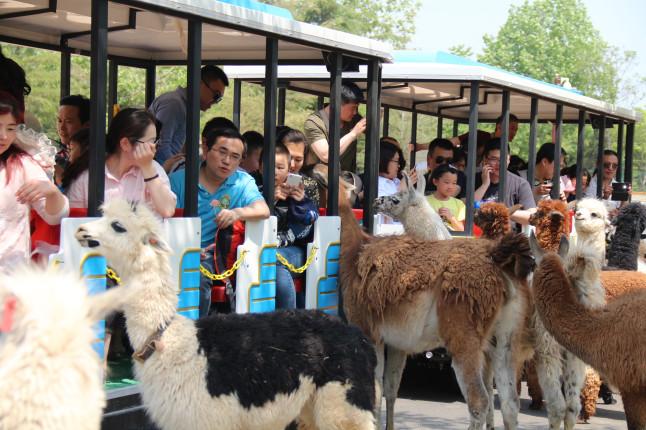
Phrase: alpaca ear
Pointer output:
(157, 243)
(564, 247)
(406, 181)
(535, 247)
(421, 183)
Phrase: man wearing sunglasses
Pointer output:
(608, 171)
(441, 151)
(170, 110)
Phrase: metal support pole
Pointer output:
(556, 178)
(413, 138)
(580, 144)
(334, 133)
(282, 96)
(472, 155)
(533, 126)
(602, 139)
(372, 143)
(151, 78)
(320, 102)
(192, 171)
(386, 120)
(440, 125)
(237, 101)
(113, 83)
(268, 153)
(504, 141)
(66, 69)
(98, 78)
(630, 140)
(456, 128)
(620, 149)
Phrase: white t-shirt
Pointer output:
(387, 187)
(591, 191)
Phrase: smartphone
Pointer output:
(620, 191)
(294, 180)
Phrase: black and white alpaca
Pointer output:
(234, 372)
(629, 225)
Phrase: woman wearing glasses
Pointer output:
(130, 171)
(609, 165)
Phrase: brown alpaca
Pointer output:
(619, 282)
(414, 295)
(551, 221)
(494, 219)
(589, 394)
(618, 348)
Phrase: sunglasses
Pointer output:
(612, 166)
(442, 160)
(217, 96)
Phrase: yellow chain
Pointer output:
(113, 275)
(301, 269)
(227, 274)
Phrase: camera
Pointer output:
(620, 191)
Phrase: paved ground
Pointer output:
(430, 400)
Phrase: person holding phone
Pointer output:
(391, 166)
(608, 168)
(543, 173)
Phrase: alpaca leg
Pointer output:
(635, 407)
(589, 394)
(468, 371)
(395, 363)
(332, 411)
(549, 372)
(488, 380)
(533, 386)
(573, 379)
(379, 376)
(505, 372)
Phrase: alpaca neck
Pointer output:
(623, 255)
(352, 235)
(154, 304)
(420, 220)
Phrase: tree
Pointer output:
(461, 50)
(387, 20)
(546, 38)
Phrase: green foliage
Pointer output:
(462, 50)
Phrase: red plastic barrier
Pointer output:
(50, 234)
(358, 213)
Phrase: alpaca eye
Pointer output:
(116, 226)
(395, 200)
(594, 215)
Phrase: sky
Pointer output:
(441, 24)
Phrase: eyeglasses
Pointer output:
(232, 155)
(612, 166)
(156, 141)
(394, 161)
(493, 160)
(217, 96)
(441, 160)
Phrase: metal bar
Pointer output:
(413, 138)
(440, 127)
(371, 161)
(320, 102)
(471, 155)
(630, 140)
(386, 121)
(580, 144)
(533, 128)
(556, 177)
(456, 128)
(602, 139)
(237, 101)
(132, 24)
(124, 411)
(194, 81)
(113, 82)
(504, 140)
(66, 68)
(98, 59)
(620, 149)
(50, 8)
(268, 153)
(282, 96)
(334, 133)
(151, 78)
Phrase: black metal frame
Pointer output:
(556, 177)
(50, 8)
(271, 85)
(600, 148)
(579, 154)
(533, 125)
(334, 133)
(191, 173)
(620, 150)
(504, 141)
(371, 160)
(237, 101)
(471, 157)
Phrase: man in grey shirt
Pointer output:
(170, 110)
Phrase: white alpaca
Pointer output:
(51, 376)
(411, 208)
(234, 372)
(591, 223)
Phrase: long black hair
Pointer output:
(131, 123)
(80, 164)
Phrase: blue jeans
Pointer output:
(285, 293)
(206, 284)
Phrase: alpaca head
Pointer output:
(591, 216)
(493, 219)
(395, 204)
(128, 235)
(47, 306)
(630, 222)
(552, 221)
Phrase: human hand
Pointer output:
(143, 153)
(486, 174)
(445, 213)
(607, 191)
(297, 192)
(543, 189)
(359, 127)
(226, 217)
(412, 175)
(34, 190)
(281, 192)
(168, 164)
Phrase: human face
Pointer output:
(211, 93)
(513, 129)
(224, 157)
(297, 153)
(493, 160)
(546, 169)
(461, 165)
(282, 169)
(68, 122)
(393, 168)
(75, 150)
(8, 127)
(438, 157)
(446, 185)
(348, 111)
(610, 164)
(251, 161)
(129, 143)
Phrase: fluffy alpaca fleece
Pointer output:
(494, 219)
(51, 376)
(628, 226)
(592, 223)
(260, 371)
(641, 261)
(589, 394)
(618, 348)
(415, 295)
(411, 208)
(551, 221)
